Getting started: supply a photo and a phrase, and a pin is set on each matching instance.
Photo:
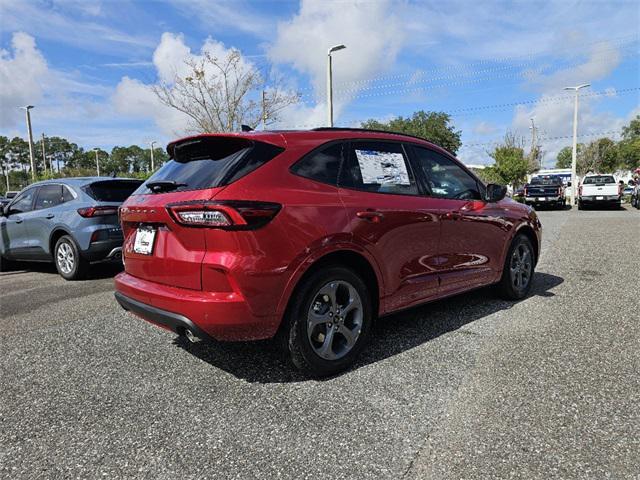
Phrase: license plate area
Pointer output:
(144, 240)
(599, 198)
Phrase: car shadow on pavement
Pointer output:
(265, 362)
(97, 271)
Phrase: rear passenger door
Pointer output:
(473, 232)
(391, 218)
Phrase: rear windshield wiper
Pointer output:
(164, 185)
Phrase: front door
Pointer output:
(15, 238)
(391, 219)
(473, 231)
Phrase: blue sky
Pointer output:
(88, 66)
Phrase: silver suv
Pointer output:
(71, 222)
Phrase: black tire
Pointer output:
(508, 287)
(5, 265)
(302, 347)
(76, 266)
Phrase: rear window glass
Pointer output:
(599, 179)
(112, 190)
(546, 181)
(322, 165)
(211, 162)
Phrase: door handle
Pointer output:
(50, 215)
(18, 220)
(371, 216)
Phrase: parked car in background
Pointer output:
(635, 196)
(599, 190)
(310, 235)
(10, 194)
(69, 221)
(547, 190)
(4, 201)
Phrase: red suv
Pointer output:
(312, 235)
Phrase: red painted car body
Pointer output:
(236, 284)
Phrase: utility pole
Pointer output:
(31, 154)
(97, 160)
(534, 151)
(330, 83)
(153, 166)
(264, 110)
(44, 155)
(574, 150)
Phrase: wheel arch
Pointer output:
(530, 233)
(347, 257)
(55, 236)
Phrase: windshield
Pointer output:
(211, 162)
(596, 179)
(546, 181)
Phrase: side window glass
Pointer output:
(49, 196)
(322, 165)
(444, 177)
(378, 167)
(23, 203)
(67, 196)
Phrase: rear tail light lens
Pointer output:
(525, 192)
(97, 211)
(227, 215)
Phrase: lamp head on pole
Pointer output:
(27, 107)
(335, 48)
(584, 85)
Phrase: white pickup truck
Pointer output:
(602, 190)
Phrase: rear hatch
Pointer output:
(157, 247)
(108, 195)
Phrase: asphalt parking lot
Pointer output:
(469, 387)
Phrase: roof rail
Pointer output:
(370, 130)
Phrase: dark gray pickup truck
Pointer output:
(545, 190)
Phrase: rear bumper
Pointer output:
(543, 200)
(223, 316)
(605, 199)
(169, 320)
(104, 250)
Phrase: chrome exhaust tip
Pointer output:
(192, 337)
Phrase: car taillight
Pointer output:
(225, 214)
(559, 191)
(580, 190)
(89, 212)
(525, 192)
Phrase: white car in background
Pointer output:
(599, 190)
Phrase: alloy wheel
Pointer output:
(65, 258)
(521, 267)
(334, 320)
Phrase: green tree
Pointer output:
(599, 156)
(432, 126)
(628, 151)
(511, 164)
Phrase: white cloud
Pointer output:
(484, 128)
(22, 72)
(372, 31)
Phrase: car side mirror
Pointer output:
(568, 184)
(495, 192)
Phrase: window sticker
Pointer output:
(382, 168)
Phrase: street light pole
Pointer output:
(574, 149)
(330, 83)
(31, 154)
(153, 166)
(97, 160)
(44, 156)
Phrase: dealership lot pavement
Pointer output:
(469, 387)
